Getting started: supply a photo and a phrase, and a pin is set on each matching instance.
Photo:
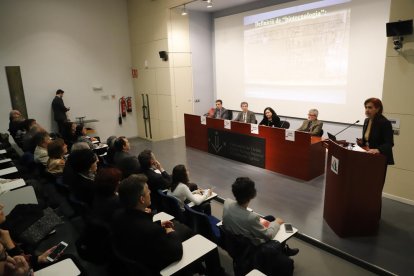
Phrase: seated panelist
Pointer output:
(220, 112)
(270, 118)
(312, 124)
(245, 116)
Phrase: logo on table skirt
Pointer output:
(334, 164)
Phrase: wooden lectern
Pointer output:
(353, 191)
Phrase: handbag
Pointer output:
(40, 228)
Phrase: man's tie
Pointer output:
(309, 126)
(244, 117)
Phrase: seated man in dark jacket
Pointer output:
(152, 244)
(158, 178)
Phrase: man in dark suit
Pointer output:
(377, 132)
(154, 245)
(59, 109)
(158, 178)
(246, 116)
(220, 112)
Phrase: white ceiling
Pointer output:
(218, 5)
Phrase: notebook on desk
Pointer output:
(65, 267)
(282, 236)
(10, 185)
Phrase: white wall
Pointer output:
(201, 29)
(398, 99)
(72, 45)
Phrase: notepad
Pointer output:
(10, 185)
(65, 267)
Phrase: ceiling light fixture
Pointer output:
(184, 10)
(209, 3)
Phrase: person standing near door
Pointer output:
(59, 110)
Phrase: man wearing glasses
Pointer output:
(312, 124)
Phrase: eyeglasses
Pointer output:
(311, 115)
(3, 254)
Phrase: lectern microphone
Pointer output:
(333, 137)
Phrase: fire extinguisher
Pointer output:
(121, 107)
(129, 104)
(122, 104)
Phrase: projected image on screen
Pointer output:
(324, 54)
(298, 56)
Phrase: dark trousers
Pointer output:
(61, 124)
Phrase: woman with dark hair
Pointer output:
(56, 150)
(106, 200)
(181, 191)
(84, 163)
(377, 134)
(81, 136)
(270, 118)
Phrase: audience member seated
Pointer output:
(42, 141)
(220, 112)
(270, 118)
(129, 165)
(239, 221)
(56, 149)
(158, 178)
(13, 266)
(121, 147)
(106, 200)
(31, 129)
(69, 133)
(84, 163)
(111, 150)
(16, 127)
(246, 116)
(69, 176)
(79, 146)
(81, 136)
(14, 255)
(179, 189)
(153, 244)
(312, 124)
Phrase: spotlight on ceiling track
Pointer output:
(209, 3)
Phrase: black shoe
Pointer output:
(291, 251)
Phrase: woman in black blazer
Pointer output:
(377, 132)
(270, 118)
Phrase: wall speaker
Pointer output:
(163, 55)
(400, 28)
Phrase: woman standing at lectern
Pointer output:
(377, 134)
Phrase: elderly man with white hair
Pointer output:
(312, 124)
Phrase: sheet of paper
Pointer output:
(203, 120)
(254, 128)
(9, 185)
(227, 124)
(289, 135)
(358, 148)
